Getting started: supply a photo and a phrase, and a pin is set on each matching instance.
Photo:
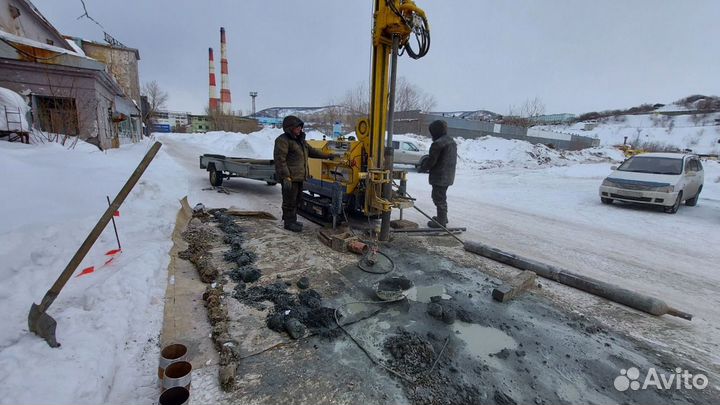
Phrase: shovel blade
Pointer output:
(43, 325)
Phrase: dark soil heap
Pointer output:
(290, 313)
(414, 356)
(411, 353)
(246, 272)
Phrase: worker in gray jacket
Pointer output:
(441, 164)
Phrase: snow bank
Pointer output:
(13, 103)
(109, 320)
(481, 153)
(493, 152)
(258, 145)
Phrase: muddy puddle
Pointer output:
(424, 293)
(483, 342)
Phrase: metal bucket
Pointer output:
(393, 288)
(177, 374)
(175, 396)
(170, 354)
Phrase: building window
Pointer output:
(50, 42)
(57, 115)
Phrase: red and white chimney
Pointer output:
(225, 102)
(214, 101)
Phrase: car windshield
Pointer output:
(647, 164)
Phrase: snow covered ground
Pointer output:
(512, 195)
(697, 132)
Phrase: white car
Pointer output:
(664, 179)
(408, 153)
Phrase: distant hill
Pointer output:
(279, 112)
(692, 123)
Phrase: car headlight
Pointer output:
(665, 189)
(608, 183)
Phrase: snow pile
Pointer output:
(488, 152)
(257, 145)
(599, 154)
(108, 320)
(492, 152)
(17, 110)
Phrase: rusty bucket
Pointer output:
(171, 354)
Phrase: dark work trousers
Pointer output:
(291, 194)
(439, 197)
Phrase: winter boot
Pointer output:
(293, 226)
(441, 218)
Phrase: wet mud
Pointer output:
(447, 343)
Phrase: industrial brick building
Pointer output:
(70, 92)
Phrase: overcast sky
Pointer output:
(575, 55)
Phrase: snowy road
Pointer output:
(554, 215)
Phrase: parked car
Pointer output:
(664, 179)
(409, 153)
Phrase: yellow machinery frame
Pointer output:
(359, 166)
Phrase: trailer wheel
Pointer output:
(216, 177)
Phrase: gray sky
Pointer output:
(575, 55)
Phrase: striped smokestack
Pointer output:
(224, 80)
(214, 101)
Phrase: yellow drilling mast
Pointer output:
(362, 179)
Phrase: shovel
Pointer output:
(39, 322)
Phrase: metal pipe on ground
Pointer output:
(641, 302)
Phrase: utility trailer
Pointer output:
(220, 167)
(322, 201)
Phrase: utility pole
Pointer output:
(253, 94)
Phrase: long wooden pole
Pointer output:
(54, 291)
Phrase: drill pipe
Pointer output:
(641, 302)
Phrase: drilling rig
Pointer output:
(361, 176)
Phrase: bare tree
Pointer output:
(325, 119)
(156, 97)
(408, 97)
(356, 100)
(525, 115)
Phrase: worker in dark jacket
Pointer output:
(441, 164)
(291, 167)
